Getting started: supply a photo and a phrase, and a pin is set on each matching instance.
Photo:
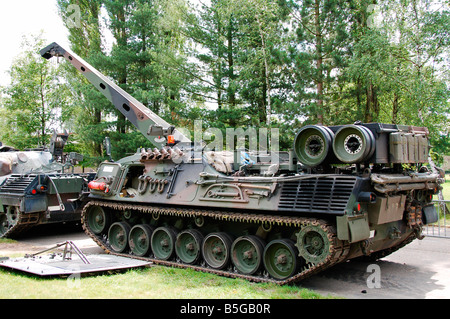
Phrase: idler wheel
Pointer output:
(139, 239)
(280, 258)
(313, 244)
(247, 254)
(188, 246)
(163, 242)
(97, 219)
(216, 250)
(118, 236)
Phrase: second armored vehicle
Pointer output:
(38, 187)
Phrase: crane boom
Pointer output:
(153, 127)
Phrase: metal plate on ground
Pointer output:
(52, 265)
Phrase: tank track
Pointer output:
(337, 249)
(386, 252)
(23, 223)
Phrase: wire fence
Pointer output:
(442, 227)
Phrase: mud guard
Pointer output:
(353, 228)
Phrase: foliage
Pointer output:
(256, 63)
(86, 103)
(32, 104)
(402, 59)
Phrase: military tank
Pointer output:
(343, 192)
(38, 186)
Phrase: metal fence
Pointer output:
(442, 227)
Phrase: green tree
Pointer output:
(264, 63)
(34, 101)
(213, 33)
(399, 58)
(238, 45)
(87, 106)
(145, 60)
(261, 39)
(318, 54)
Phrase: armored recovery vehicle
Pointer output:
(38, 186)
(349, 191)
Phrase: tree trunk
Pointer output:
(395, 109)
(231, 90)
(43, 124)
(372, 109)
(268, 108)
(358, 95)
(319, 62)
(98, 146)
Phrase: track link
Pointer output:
(23, 223)
(337, 249)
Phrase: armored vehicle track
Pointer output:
(14, 222)
(181, 238)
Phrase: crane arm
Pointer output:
(153, 127)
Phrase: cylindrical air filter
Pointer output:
(312, 144)
(353, 144)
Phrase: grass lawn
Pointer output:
(154, 282)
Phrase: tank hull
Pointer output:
(261, 228)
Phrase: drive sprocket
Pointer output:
(315, 243)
